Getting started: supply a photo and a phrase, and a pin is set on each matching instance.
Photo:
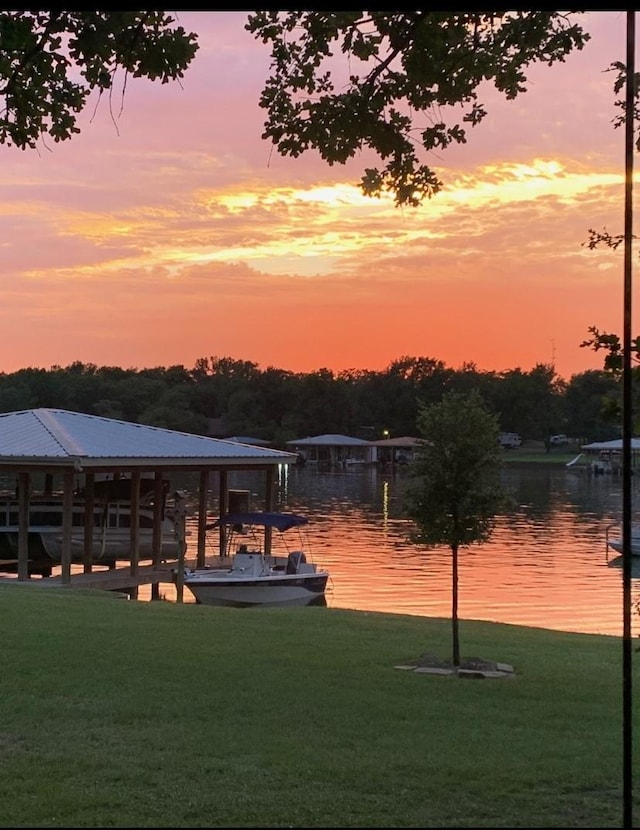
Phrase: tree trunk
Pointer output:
(454, 607)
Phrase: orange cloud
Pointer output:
(171, 231)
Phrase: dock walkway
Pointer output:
(114, 579)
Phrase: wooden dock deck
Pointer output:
(114, 579)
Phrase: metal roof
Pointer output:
(59, 437)
(329, 441)
(616, 444)
(403, 441)
(246, 439)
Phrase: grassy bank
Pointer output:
(118, 713)
(535, 453)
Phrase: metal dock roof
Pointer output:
(60, 438)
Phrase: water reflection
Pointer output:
(546, 565)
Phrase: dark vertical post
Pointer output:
(134, 527)
(89, 503)
(202, 518)
(180, 508)
(223, 507)
(627, 431)
(268, 506)
(67, 525)
(158, 516)
(24, 484)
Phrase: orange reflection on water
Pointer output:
(545, 566)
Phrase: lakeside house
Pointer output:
(392, 451)
(346, 450)
(601, 457)
(333, 449)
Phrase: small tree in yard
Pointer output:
(455, 492)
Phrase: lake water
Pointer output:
(546, 565)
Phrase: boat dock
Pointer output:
(112, 579)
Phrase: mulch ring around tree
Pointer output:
(470, 667)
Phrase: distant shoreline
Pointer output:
(538, 455)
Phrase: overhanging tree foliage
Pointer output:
(613, 366)
(401, 69)
(455, 491)
(50, 61)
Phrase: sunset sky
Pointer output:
(169, 231)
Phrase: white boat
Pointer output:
(618, 562)
(257, 576)
(111, 537)
(615, 542)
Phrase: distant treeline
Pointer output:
(223, 397)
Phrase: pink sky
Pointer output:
(168, 230)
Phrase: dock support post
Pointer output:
(24, 483)
(182, 545)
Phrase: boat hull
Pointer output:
(113, 545)
(226, 589)
(616, 544)
(111, 536)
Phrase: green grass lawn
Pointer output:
(535, 453)
(118, 713)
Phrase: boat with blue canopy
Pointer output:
(265, 567)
